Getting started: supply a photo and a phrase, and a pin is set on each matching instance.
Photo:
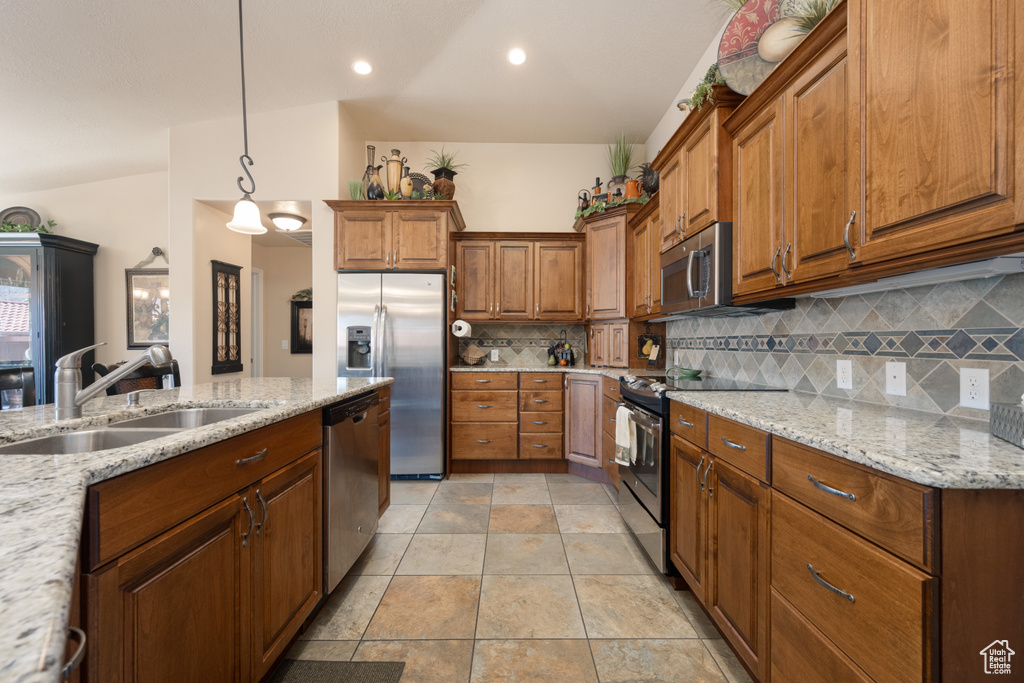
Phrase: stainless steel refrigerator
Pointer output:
(393, 325)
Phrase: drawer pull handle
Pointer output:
(829, 489)
(611, 419)
(259, 526)
(252, 522)
(711, 463)
(540, 422)
(697, 474)
(539, 445)
(483, 381)
(484, 407)
(730, 444)
(540, 400)
(825, 584)
(382, 399)
(685, 423)
(484, 440)
(259, 456)
(76, 659)
(540, 381)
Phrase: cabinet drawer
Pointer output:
(537, 381)
(540, 423)
(485, 441)
(895, 514)
(689, 423)
(611, 388)
(540, 401)
(885, 619)
(484, 406)
(384, 393)
(127, 510)
(540, 445)
(801, 653)
(609, 408)
(739, 445)
(485, 381)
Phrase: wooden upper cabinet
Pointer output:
(606, 266)
(558, 280)
(654, 250)
(938, 132)
(513, 280)
(671, 175)
(643, 294)
(382, 235)
(474, 278)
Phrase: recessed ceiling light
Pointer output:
(361, 67)
(516, 56)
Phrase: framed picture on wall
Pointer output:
(227, 317)
(148, 306)
(302, 327)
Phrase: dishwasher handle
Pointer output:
(347, 410)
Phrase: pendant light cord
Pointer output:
(245, 158)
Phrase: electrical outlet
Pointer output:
(974, 388)
(844, 374)
(896, 378)
(284, 344)
(494, 354)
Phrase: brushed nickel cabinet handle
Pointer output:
(381, 399)
(540, 381)
(483, 381)
(395, 259)
(490, 310)
(730, 444)
(711, 463)
(484, 440)
(611, 419)
(387, 258)
(697, 473)
(252, 522)
(538, 445)
(685, 423)
(789, 275)
(846, 235)
(775, 271)
(259, 526)
(483, 407)
(497, 309)
(829, 489)
(76, 659)
(259, 456)
(540, 400)
(536, 310)
(540, 422)
(826, 585)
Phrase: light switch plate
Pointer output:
(974, 388)
(494, 354)
(844, 374)
(896, 378)
(284, 344)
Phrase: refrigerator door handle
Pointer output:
(383, 333)
(374, 340)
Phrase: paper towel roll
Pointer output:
(460, 328)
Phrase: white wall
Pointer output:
(510, 187)
(286, 270)
(126, 217)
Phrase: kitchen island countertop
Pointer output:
(42, 497)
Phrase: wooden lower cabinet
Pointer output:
(688, 545)
(484, 410)
(583, 419)
(801, 653)
(384, 462)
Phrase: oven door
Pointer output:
(644, 475)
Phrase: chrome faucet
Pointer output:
(67, 382)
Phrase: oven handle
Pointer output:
(648, 424)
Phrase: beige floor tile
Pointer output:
(455, 519)
(462, 494)
(605, 554)
(443, 555)
(589, 519)
(426, 661)
(349, 609)
(537, 661)
(525, 554)
(630, 607)
(654, 661)
(522, 519)
(613, 494)
(565, 479)
(401, 519)
(323, 650)
(529, 607)
(412, 492)
(426, 607)
(519, 479)
(698, 619)
(578, 494)
(468, 478)
(382, 556)
(728, 661)
(521, 494)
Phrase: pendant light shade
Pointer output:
(247, 218)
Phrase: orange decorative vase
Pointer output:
(632, 189)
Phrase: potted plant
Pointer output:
(442, 165)
(620, 159)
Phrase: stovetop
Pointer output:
(648, 390)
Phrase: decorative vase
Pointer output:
(617, 185)
(444, 182)
(648, 179)
(406, 183)
(375, 190)
(584, 200)
(368, 175)
(395, 164)
(632, 189)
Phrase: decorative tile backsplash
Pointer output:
(522, 345)
(935, 330)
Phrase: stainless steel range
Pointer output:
(644, 486)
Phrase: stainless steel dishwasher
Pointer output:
(351, 437)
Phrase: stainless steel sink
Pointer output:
(83, 442)
(183, 419)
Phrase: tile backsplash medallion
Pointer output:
(934, 329)
(522, 345)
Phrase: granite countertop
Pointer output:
(930, 449)
(42, 497)
(614, 373)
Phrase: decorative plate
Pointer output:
(742, 58)
(20, 215)
(423, 185)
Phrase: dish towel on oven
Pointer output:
(625, 437)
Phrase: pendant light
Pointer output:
(247, 214)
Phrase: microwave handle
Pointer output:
(689, 275)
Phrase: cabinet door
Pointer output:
(640, 264)
(738, 551)
(671, 218)
(384, 462)
(288, 560)
(363, 240)
(757, 218)
(654, 267)
(938, 168)
(606, 268)
(618, 345)
(697, 193)
(474, 280)
(583, 419)
(558, 281)
(179, 605)
(821, 168)
(688, 540)
(599, 344)
(513, 280)
(420, 240)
